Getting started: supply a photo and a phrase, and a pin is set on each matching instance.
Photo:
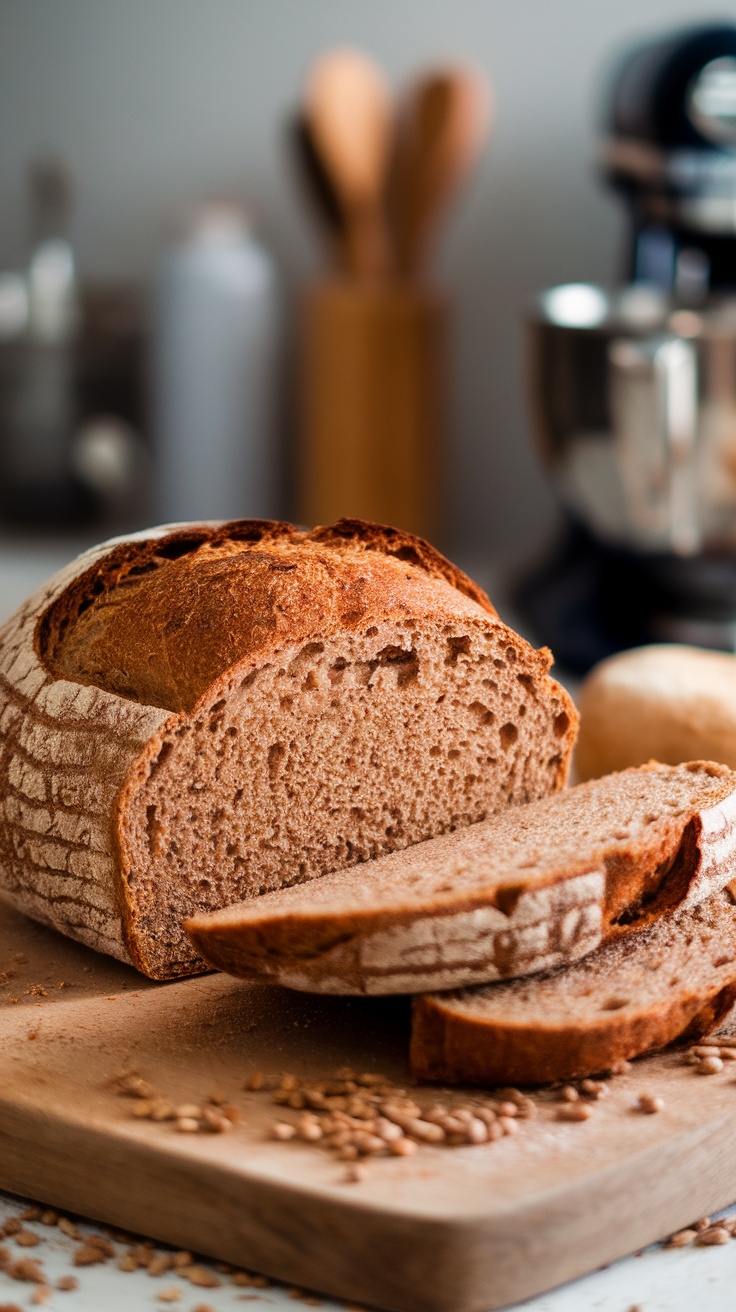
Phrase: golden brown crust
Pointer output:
(157, 621)
(403, 546)
(446, 1049)
(675, 981)
(86, 705)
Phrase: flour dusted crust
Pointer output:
(65, 751)
(529, 890)
(156, 672)
(676, 979)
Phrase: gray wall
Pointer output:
(156, 102)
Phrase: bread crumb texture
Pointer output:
(531, 889)
(193, 717)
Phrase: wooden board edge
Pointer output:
(350, 1249)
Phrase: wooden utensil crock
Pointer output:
(372, 403)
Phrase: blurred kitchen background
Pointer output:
(134, 138)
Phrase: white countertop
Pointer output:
(657, 1280)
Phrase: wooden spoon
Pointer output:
(318, 184)
(445, 120)
(348, 112)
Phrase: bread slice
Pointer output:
(201, 713)
(676, 979)
(537, 886)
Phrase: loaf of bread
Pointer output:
(664, 702)
(677, 979)
(535, 887)
(203, 713)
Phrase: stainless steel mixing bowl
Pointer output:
(634, 402)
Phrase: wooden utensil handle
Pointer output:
(372, 404)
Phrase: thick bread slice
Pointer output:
(202, 713)
(677, 979)
(537, 886)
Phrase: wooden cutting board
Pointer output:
(449, 1230)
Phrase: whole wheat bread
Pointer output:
(676, 979)
(201, 713)
(535, 887)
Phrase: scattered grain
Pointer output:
(214, 1122)
(103, 1245)
(27, 1239)
(26, 1269)
(67, 1283)
(159, 1264)
(171, 1294)
(575, 1111)
(709, 1066)
(510, 1126)
(283, 1131)
(87, 1255)
(132, 1086)
(715, 1235)
(403, 1147)
(507, 1109)
(593, 1089)
(649, 1104)
(201, 1276)
(681, 1239)
(248, 1278)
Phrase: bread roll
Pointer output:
(665, 703)
(202, 713)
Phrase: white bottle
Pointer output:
(215, 373)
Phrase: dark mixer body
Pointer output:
(634, 390)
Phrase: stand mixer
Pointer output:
(634, 390)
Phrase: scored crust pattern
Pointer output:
(73, 752)
(65, 750)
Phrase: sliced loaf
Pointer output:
(537, 886)
(677, 979)
(202, 713)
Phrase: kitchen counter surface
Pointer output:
(656, 1280)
